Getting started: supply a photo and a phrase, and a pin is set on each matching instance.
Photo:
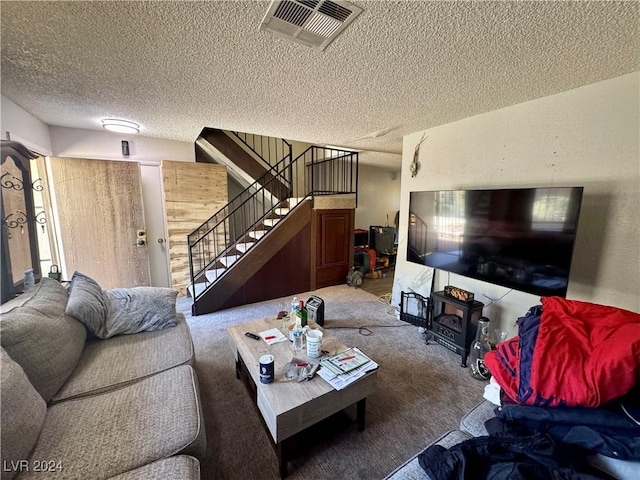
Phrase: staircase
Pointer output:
(256, 229)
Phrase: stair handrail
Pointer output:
(300, 176)
(257, 185)
(284, 146)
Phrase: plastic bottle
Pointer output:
(294, 307)
(298, 337)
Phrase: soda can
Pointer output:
(267, 371)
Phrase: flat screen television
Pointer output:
(521, 238)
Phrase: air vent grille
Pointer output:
(334, 10)
(292, 12)
(315, 23)
(309, 3)
(323, 25)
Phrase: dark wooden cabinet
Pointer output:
(334, 246)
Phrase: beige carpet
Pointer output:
(422, 393)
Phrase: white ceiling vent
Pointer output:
(314, 23)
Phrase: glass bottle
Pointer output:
(301, 314)
(479, 348)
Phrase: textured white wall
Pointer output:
(378, 196)
(24, 127)
(81, 143)
(590, 137)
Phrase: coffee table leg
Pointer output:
(281, 449)
(360, 413)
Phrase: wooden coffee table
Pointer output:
(288, 407)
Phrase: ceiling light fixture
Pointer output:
(120, 126)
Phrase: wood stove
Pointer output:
(448, 321)
(453, 323)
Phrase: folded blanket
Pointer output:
(569, 353)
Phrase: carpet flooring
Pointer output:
(422, 393)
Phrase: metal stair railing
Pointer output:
(269, 150)
(317, 171)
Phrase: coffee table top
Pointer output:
(289, 406)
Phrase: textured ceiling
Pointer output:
(176, 67)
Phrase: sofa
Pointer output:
(77, 407)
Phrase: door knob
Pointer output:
(161, 240)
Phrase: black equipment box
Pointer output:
(315, 309)
(382, 239)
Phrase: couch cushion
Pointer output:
(42, 339)
(117, 431)
(109, 364)
(23, 413)
(473, 422)
(411, 469)
(183, 467)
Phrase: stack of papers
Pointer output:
(345, 368)
(272, 336)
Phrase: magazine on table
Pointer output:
(345, 367)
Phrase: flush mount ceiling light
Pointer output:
(120, 126)
(314, 23)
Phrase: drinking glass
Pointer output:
(283, 311)
(283, 317)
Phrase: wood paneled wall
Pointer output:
(192, 193)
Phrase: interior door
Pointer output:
(334, 247)
(100, 217)
(158, 246)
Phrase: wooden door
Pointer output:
(100, 214)
(334, 247)
(192, 193)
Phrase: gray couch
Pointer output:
(76, 407)
(473, 425)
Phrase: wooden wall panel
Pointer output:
(99, 206)
(192, 192)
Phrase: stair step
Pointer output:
(229, 260)
(282, 211)
(257, 234)
(243, 247)
(200, 287)
(293, 201)
(214, 273)
(270, 222)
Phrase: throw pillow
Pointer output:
(87, 304)
(138, 309)
(120, 311)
